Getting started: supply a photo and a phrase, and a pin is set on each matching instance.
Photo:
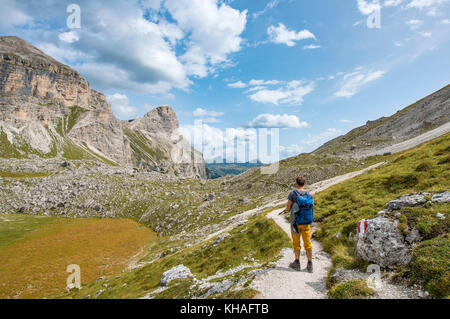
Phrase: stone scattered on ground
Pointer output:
(177, 272)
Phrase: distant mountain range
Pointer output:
(217, 170)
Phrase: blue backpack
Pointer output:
(305, 202)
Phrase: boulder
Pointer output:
(178, 272)
(383, 243)
(411, 200)
(441, 197)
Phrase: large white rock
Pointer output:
(383, 244)
(407, 200)
(441, 197)
(178, 272)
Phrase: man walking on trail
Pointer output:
(301, 219)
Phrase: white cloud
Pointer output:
(211, 141)
(346, 121)
(425, 34)
(69, 37)
(214, 32)
(420, 4)
(287, 151)
(445, 21)
(270, 5)
(120, 105)
(311, 46)
(238, 84)
(321, 138)
(291, 93)
(354, 81)
(11, 16)
(277, 121)
(202, 112)
(367, 7)
(281, 35)
(414, 24)
(392, 3)
(264, 82)
(180, 40)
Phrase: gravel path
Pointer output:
(425, 137)
(282, 282)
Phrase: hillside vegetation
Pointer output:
(422, 169)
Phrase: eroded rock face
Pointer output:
(47, 108)
(383, 244)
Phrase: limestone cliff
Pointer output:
(48, 109)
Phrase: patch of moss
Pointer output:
(430, 265)
(354, 289)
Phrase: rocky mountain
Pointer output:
(49, 110)
(426, 114)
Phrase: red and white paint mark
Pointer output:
(362, 227)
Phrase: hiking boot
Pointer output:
(309, 267)
(295, 265)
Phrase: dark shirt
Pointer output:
(293, 195)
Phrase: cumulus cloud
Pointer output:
(147, 46)
(420, 4)
(69, 37)
(233, 144)
(120, 105)
(282, 35)
(392, 3)
(277, 121)
(353, 82)
(287, 151)
(291, 93)
(238, 84)
(367, 7)
(11, 15)
(202, 112)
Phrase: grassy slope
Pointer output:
(261, 239)
(423, 169)
(47, 245)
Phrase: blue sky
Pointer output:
(314, 69)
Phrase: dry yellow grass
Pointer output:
(35, 265)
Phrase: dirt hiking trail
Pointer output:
(283, 282)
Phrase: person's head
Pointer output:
(300, 181)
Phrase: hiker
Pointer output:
(300, 206)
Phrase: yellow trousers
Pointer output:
(305, 232)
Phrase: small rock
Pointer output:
(243, 200)
(441, 216)
(221, 238)
(210, 197)
(413, 236)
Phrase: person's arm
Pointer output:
(288, 207)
